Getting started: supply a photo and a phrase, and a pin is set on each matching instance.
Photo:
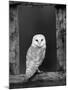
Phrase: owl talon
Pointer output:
(40, 71)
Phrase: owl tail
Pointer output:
(29, 73)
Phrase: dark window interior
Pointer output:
(34, 20)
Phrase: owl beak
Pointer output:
(39, 43)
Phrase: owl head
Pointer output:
(39, 41)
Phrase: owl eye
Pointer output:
(36, 40)
(41, 39)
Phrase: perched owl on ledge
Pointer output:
(35, 55)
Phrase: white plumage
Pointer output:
(35, 55)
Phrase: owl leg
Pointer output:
(39, 71)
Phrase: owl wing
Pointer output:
(31, 56)
(31, 65)
(42, 56)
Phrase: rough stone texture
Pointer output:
(40, 76)
(61, 38)
(49, 76)
(13, 41)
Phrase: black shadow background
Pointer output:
(34, 20)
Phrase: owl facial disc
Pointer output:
(39, 41)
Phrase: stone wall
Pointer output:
(14, 39)
(61, 38)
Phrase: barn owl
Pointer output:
(35, 55)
